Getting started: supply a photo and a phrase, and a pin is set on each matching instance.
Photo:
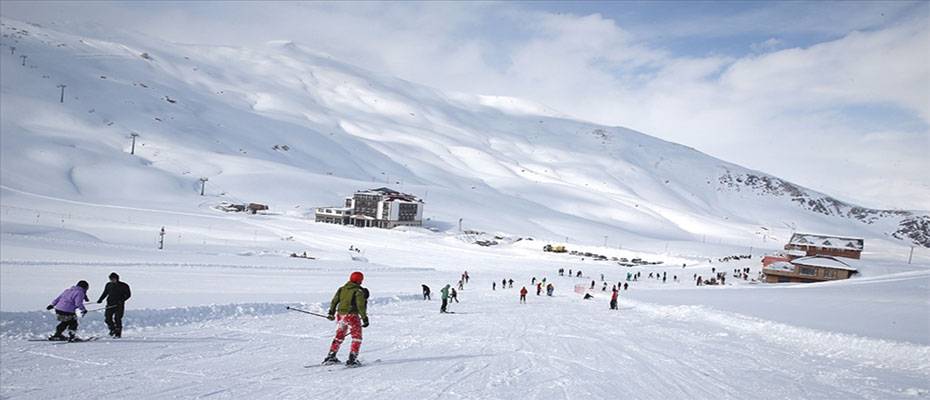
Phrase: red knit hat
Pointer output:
(356, 277)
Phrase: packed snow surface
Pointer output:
(209, 319)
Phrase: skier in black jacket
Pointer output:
(116, 293)
(426, 292)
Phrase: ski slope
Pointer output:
(208, 315)
(210, 321)
(290, 127)
(492, 347)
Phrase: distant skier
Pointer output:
(578, 274)
(533, 281)
(510, 283)
(604, 289)
(494, 285)
(569, 273)
(454, 296)
(523, 295)
(626, 286)
(426, 292)
(602, 277)
(116, 293)
(539, 287)
(445, 298)
(550, 289)
(613, 299)
(592, 284)
(66, 305)
(503, 283)
(348, 309)
(467, 277)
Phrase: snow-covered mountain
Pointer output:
(293, 128)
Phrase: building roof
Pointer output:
(390, 194)
(780, 266)
(824, 262)
(796, 253)
(827, 241)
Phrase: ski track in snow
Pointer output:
(495, 348)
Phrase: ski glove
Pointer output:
(49, 307)
(83, 312)
(365, 323)
(331, 317)
(99, 301)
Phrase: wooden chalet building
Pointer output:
(378, 208)
(808, 244)
(808, 269)
(814, 258)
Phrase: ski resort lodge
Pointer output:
(814, 258)
(378, 208)
(806, 244)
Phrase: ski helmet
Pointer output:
(356, 277)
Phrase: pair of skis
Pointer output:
(63, 341)
(333, 366)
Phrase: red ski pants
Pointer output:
(351, 323)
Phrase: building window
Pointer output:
(407, 212)
(808, 271)
(829, 273)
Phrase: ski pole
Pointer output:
(103, 308)
(307, 312)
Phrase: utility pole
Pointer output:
(910, 256)
(133, 136)
(62, 86)
(161, 239)
(460, 224)
(24, 57)
(203, 184)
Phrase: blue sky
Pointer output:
(836, 92)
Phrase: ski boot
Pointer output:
(352, 362)
(331, 359)
(72, 336)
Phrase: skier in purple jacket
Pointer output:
(66, 305)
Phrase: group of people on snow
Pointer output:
(72, 299)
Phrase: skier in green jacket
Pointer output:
(348, 309)
(445, 298)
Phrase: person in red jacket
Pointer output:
(613, 299)
(523, 295)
